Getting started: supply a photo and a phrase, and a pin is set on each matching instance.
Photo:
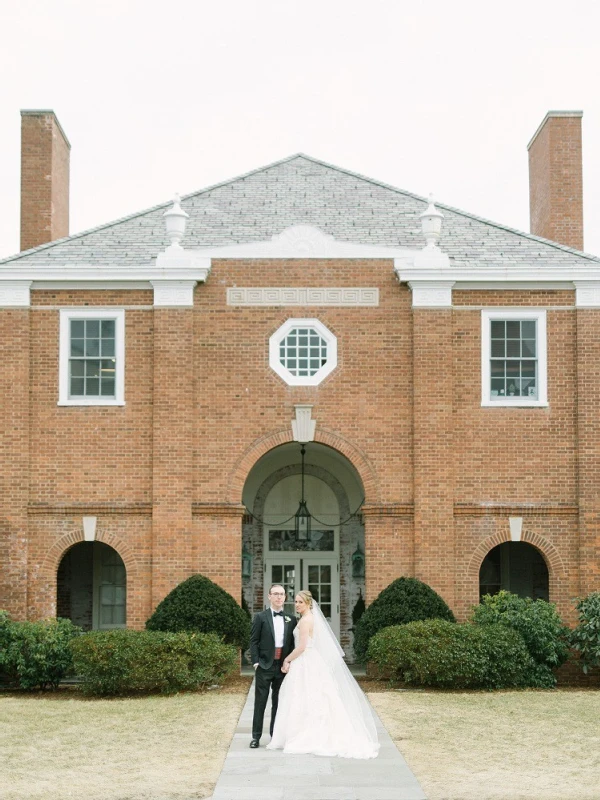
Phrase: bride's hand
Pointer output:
(286, 667)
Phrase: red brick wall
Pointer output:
(45, 154)
(164, 474)
(555, 181)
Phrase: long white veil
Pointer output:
(355, 702)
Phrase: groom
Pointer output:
(270, 642)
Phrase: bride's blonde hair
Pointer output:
(306, 596)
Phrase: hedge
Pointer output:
(585, 639)
(404, 600)
(121, 662)
(35, 655)
(544, 634)
(199, 605)
(439, 653)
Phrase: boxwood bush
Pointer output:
(439, 653)
(586, 637)
(538, 622)
(404, 600)
(121, 662)
(35, 655)
(198, 604)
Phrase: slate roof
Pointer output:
(302, 190)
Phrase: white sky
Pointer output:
(157, 97)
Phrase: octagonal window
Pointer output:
(303, 352)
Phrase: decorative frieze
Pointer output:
(307, 296)
(587, 294)
(431, 294)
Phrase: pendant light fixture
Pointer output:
(302, 518)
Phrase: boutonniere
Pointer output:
(288, 619)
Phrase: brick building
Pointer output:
(440, 372)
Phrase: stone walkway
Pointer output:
(269, 774)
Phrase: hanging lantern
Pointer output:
(358, 563)
(302, 518)
(246, 564)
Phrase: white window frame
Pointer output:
(322, 372)
(66, 315)
(537, 314)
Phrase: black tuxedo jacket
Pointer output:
(262, 638)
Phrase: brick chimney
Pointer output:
(45, 152)
(555, 179)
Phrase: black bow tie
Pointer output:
(278, 613)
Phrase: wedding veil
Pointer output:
(325, 642)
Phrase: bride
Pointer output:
(322, 710)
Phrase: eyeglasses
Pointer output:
(278, 594)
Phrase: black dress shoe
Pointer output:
(254, 744)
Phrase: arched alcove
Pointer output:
(517, 567)
(91, 587)
(322, 562)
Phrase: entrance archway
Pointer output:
(518, 567)
(91, 587)
(321, 562)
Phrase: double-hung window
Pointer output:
(92, 357)
(513, 357)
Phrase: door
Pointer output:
(317, 574)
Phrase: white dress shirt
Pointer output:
(278, 624)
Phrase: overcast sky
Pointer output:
(157, 97)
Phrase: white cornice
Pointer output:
(304, 241)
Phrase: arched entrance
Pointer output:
(91, 587)
(328, 560)
(518, 567)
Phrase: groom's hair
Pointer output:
(273, 585)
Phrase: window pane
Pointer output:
(513, 369)
(498, 386)
(92, 387)
(528, 369)
(92, 328)
(498, 348)
(108, 328)
(513, 348)
(326, 574)
(528, 348)
(313, 574)
(92, 369)
(77, 387)
(77, 369)
(498, 368)
(77, 347)
(92, 347)
(513, 329)
(77, 328)
(108, 387)
(498, 329)
(108, 347)
(528, 329)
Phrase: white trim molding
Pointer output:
(169, 294)
(431, 294)
(66, 315)
(587, 294)
(525, 313)
(291, 296)
(15, 294)
(284, 373)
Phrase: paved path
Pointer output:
(259, 774)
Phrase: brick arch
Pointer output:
(238, 475)
(556, 568)
(51, 563)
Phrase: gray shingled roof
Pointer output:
(302, 190)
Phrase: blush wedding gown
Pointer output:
(322, 710)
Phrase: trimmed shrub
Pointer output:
(435, 652)
(404, 600)
(38, 654)
(199, 605)
(586, 636)
(125, 662)
(537, 622)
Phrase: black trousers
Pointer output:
(266, 679)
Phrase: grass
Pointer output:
(529, 745)
(61, 746)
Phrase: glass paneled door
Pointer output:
(320, 576)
